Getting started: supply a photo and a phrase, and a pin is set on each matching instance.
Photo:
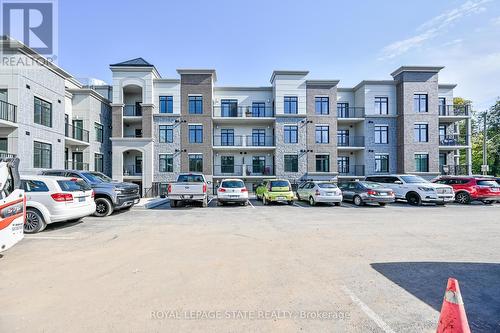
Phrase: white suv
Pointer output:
(55, 199)
(232, 190)
(415, 189)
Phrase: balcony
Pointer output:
(74, 165)
(8, 112)
(132, 110)
(454, 110)
(4, 155)
(236, 113)
(76, 135)
(350, 113)
(228, 170)
(350, 142)
(351, 170)
(454, 170)
(453, 141)
(228, 140)
(132, 170)
(248, 141)
(257, 170)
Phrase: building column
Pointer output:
(147, 120)
(469, 148)
(117, 120)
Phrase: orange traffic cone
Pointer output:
(453, 318)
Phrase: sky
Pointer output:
(246, 40)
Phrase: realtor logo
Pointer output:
(31, 22)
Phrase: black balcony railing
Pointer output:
(350, 141)
(454, 170)
(8, 111)
(228, 170)
(76, 133)
(132, 170)
(351, 170)
(228, 140)
(258, 169)
(350, 112)
(251, 111)
(259, 141)
(131, 110)
(74, 165)
(4, 154)
(454, 140)
(454, 110)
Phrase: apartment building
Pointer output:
(295, 128)
(48, 118)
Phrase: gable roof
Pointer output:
(139, 62)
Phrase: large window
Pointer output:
(422, 162)
(322, 134)
(259, 109)
(420, 103)
(381, 134)
(291, 163)
(342, 110)
(98, 162)
(227, 164)
(166, 104)
(382, 105)
(258, 137)
(43, 112)
(421, 132)
(229, 108)
(291, 133)
(258, 164)
(42, 155)
(442, 106)
(227, 137)
(195, 134)
(166, 163)
(381, 163)
(322, 105)
(322, 163)
(343, 164)
(442, 134)
(166, 133)
(99, 132)
(195, 104)
(343, 138)
(290, 105)
(195, 163)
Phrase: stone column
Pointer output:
(147, 120)
(117, 120)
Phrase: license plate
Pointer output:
(187, 196)
(280, 198)
(233, 197)
(330, 193)
(382, 193)
(81, 199)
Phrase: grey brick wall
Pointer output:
(372, 148)
(166, 148)
(283, 148)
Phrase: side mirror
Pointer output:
(209, 182)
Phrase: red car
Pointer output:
(468, 189)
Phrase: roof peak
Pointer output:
(139, 62)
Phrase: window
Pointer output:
(343, 164)
(322, 106)
(258, 109)
(229, 108)
(195, 163)
(166, 104)
(258, 137)
(382, 105)
(322, 163)
(258, 164)
(381, 134)
(381, 163)
(291, 133)
(322, 134)
(166, 163)
(420, 103)
(195, 104)
(442, 106)
(43, 112)
(291, 163)
(290, 104)
(99, 132)
(42, 155)
(343, 110)
(195, 134)
(166, 133)
(421, 133)
(98, 162)
(442, 134)
(422, 162)
(227, 164)
(34, 186)
(343, 138)
(227, 137)
(443, 157)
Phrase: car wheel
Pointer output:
(290, 202)
(488, 202)
(357, 200)
(34, 221)
(413, 199)
(173, 203)
(311, 201)
(381, 204)
(103, 207)
(462, 198)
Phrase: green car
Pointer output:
(276, 190)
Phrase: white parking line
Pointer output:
(48, 237)
(209, 201)
(369, 312)
(250, 203)
(297, 205)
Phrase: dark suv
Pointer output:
(109, 195)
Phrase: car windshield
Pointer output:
(190, 179)
(490, 183)
(280, 183)
(371, 185)
(327, 185)
(73, 185)
(232, 184)
(413, 179)
(96, 177)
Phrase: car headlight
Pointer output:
(426, 189)
(118, 190)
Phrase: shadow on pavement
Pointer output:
(479, 284)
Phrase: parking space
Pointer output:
(321, 268)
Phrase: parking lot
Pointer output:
(255, 268)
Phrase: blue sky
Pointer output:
(246, 40)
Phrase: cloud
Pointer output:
(432, 28)
(495, 21)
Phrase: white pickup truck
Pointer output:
(189, 187)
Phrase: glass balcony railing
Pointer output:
(345, 112)
(132, 110)
(350, 141)
(76, 133)
(454, 110)
(8, 111)
(351, 170)
(252, 111)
